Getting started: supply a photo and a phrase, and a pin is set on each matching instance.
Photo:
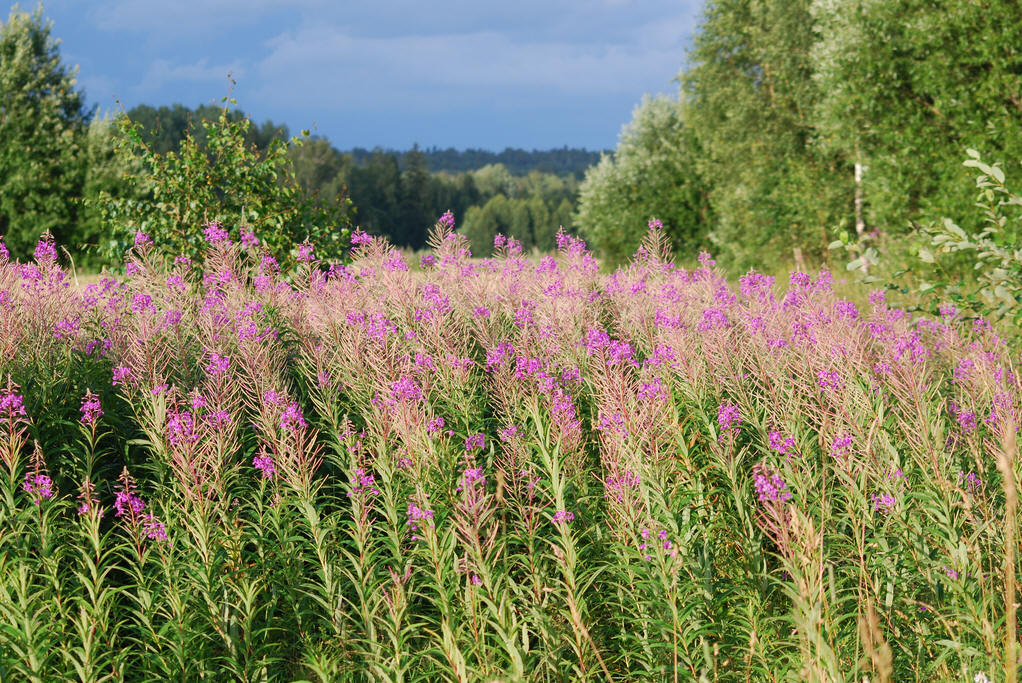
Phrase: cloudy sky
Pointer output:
(459, 73)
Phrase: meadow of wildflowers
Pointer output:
(496, 470)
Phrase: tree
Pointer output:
(376, 191)
(42, 126)
(228, 182)
(651, 174)
(749, 100)
(320, 170)
(105, 170)
(906, 86)
(417, 213)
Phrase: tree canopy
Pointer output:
(43, 120)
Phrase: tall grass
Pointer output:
(496, 469)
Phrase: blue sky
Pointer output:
(459, 73)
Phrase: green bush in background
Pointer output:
(226, 181)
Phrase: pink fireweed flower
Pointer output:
(359, 238)
(217, 364)
(120, 374)
(4, 254)
(218, 419)
(652, 391)
(292, 418)
(45, 250)
(884, 502)
(829, 379)
(152, 528)
(447, 220)
(12, 404)
(427, 261)
(363, 485)
(621, 487)
(264, 463)
(435, 426)
(563, 517)
(406, 390)
(91, 408)
(971, 482)
(142, 239)
(779, 443)
(126, 502)
(728, 417)
(181, 428)
(842, 445)
(475, 442)
(470, 478)
(305, 252)
(249, 240)
(215, 234)
(417, 516)
(39, 485)
(509, 433)
(655, 224)
(771, 488)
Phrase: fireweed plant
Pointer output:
(496, 469)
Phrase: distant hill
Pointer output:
(562, 161)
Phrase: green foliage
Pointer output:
(651, 174)
(42, 126)
(991, 279)
(749, 100)
(226, 181)
(165, 128)
(904, 86)
(533, 222)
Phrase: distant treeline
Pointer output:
(563, 161)
(399, 194)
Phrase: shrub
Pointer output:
(226, 182)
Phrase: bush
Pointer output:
(225, 182)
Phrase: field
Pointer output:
(496, 470)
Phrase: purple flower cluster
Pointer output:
(127, 502)
(728, 417)
(181, 428)
(417, 516)
(45, 250)
(292, 418)
(12, 404)
(406, 390)
(38, 485)
(215, 234)
(363, 485)
(264, 463)
(217, 364)
(563, 517)
(771, 488)
(470, 478)
(475, 442)
(91, 409)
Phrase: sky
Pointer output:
(534, 74)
